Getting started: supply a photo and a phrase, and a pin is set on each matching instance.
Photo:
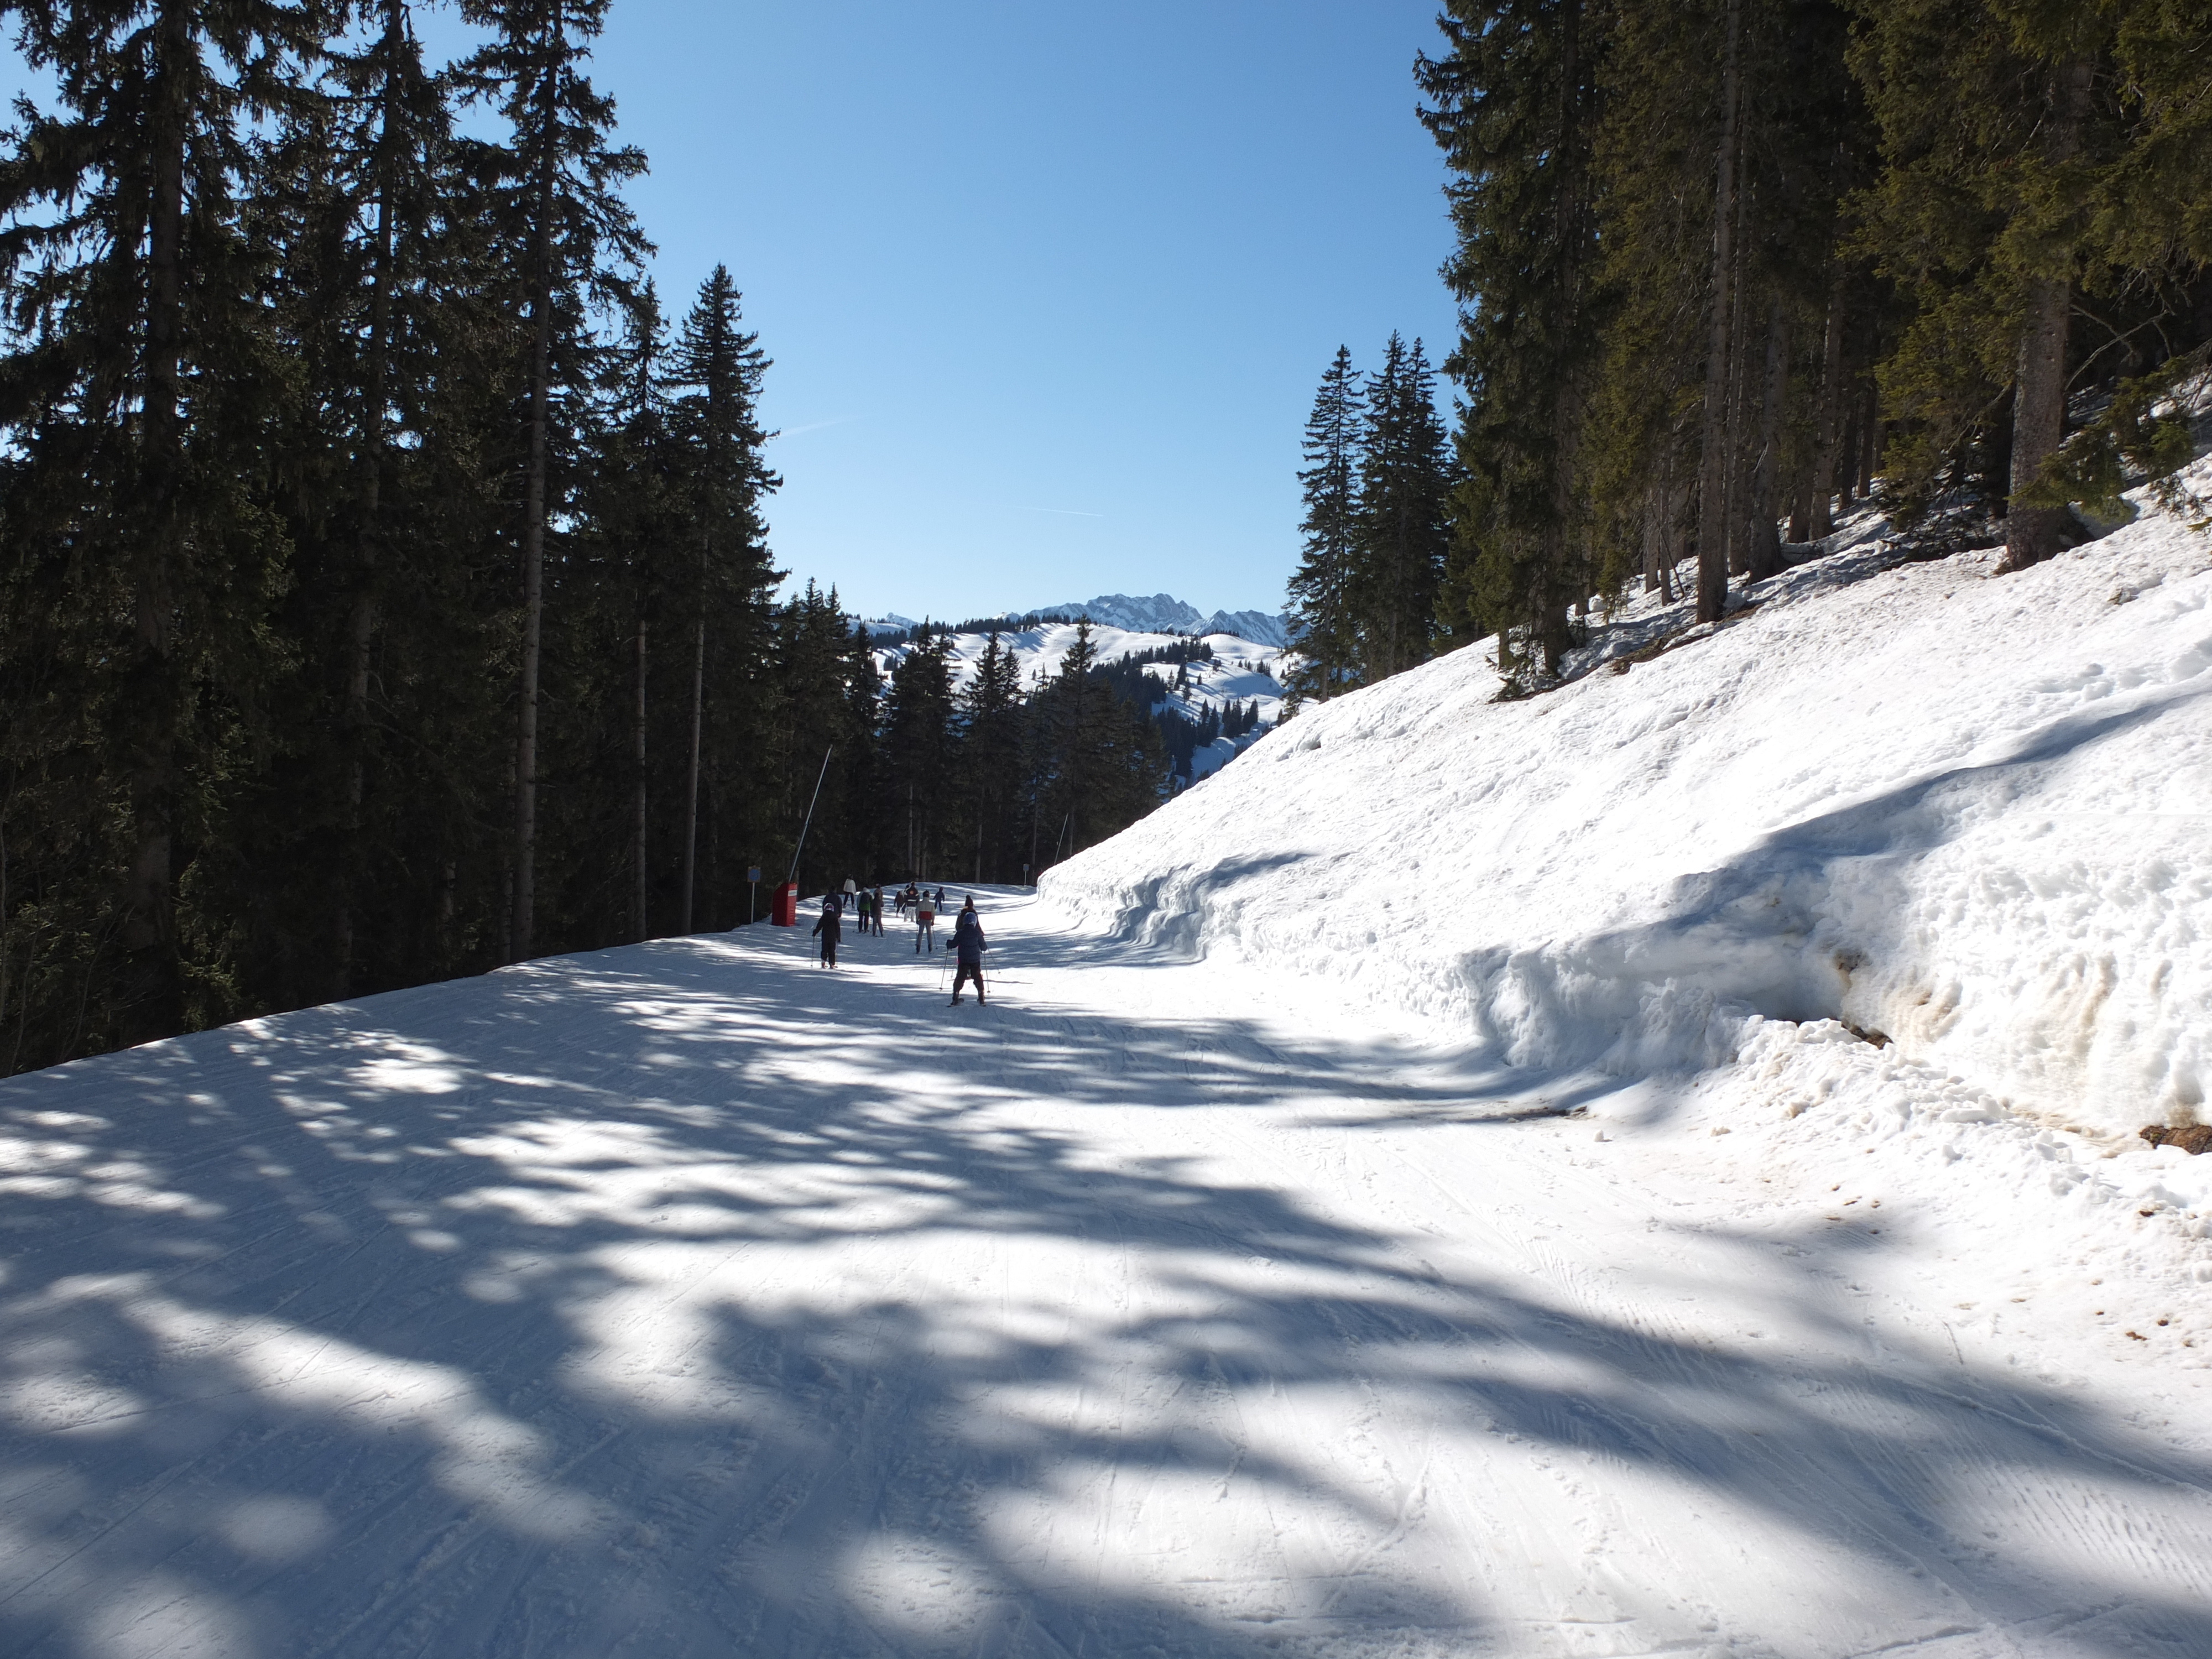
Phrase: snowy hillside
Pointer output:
(1242, 671)
(1972, 815)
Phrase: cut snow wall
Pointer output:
(1972, 813)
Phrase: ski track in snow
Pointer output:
(687, 1299)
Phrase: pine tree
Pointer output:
(720, 366)
(138, 390)
(809, 672)
(1992, 149)
(627, 557)
(1514, 106)
(1402, 535)
(918, 744)
(377, 297)
(1322, 614)
(569, 238)
(991, 758)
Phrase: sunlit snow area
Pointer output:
(1647, 1168)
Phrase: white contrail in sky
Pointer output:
(813, 425)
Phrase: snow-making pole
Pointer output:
(797, 851)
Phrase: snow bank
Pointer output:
(1973, 815)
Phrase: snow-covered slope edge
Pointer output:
(1974, 814)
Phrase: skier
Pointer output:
(925, 929)
(876, 910)
(860, 911)
(829, 926)
(967, 946)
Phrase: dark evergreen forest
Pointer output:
(385, 585)
(1727, 268)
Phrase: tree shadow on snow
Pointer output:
(477, 1321)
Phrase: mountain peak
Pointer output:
(1164, 613)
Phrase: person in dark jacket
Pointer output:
(967, 946)
(828, 927)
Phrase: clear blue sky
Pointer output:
(1048, 287)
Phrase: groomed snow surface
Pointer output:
(1409, 1197)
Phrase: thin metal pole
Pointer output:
(804, 827)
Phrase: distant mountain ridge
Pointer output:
(1164, 613)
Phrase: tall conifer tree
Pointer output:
(1515, 105)
(1321, 597)
(1402, 535)
(140, 388)
(570, 239)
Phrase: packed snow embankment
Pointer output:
(1972, 814)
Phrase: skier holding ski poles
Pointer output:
(925, 928)
(967, 947)
(829, 926)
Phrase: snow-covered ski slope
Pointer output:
(690, 1300)
(1973, 815)
(1235, 1285)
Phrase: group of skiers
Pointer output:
(867, 904)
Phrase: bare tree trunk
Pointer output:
(2032, 534)
(1566, 397)
(637, 828)
(1766, 536)
(360, 624)
(1847, 455)
(154, 996)
(1739, 402)
(691, 790)
(1654, 496)
(1712, 468)
(1870, 425)
(1828, 431)
(522, 925)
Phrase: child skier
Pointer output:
(828, 927)
(967, 946)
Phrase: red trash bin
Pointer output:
(783, 909)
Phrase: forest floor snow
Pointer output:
(690, 1299)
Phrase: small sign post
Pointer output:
(753, 901)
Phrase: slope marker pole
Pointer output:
(809, 822)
